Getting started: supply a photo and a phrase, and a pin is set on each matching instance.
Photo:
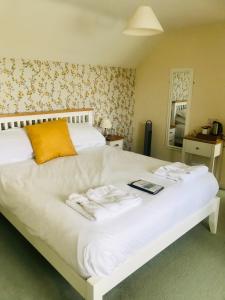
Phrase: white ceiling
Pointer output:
(172, 13)
(89, 31)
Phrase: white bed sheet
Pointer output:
(36, 196)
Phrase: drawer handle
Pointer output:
(116, 145)
(197, 148)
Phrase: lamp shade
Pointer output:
(143, 23)
(106, 123)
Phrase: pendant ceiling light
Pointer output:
(143, 22)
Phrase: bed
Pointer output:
(103, 165)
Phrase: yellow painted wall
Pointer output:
(201, 48)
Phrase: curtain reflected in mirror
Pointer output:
(181, 81)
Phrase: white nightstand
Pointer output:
(205, 148)
(115, 141)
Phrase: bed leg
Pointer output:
(213, 218)
(93, 293)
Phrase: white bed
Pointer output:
(96, 256)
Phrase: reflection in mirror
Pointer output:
(179, 102)
(177, 122)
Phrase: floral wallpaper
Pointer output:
(181, 84)
(34, 85)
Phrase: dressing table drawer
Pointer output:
(198, 148)
(210, 150)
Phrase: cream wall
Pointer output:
(66, 30)
(201, 48)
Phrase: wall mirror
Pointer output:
(181, 82)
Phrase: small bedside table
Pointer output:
(115, 141)
(201, 147)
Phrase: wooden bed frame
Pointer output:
(95, 287)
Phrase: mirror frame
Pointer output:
(190, 73)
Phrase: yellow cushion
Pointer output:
(50, 140)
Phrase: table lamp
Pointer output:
(106, 124)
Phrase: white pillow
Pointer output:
(84, 136)
(14, 146)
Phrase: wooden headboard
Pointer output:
(19, 120)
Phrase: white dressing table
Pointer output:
(202, 147)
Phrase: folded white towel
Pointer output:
(180, 172)
(89, 209)
(103, 202)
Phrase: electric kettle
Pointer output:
(217, 128)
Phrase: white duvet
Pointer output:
(37, 194)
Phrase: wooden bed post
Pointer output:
(213, 218)
(93, 292)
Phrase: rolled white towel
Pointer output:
(103, 202)
(113, 198)
(180, 172)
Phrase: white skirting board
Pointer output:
(95, 287)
